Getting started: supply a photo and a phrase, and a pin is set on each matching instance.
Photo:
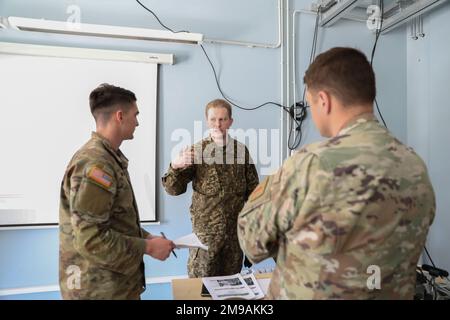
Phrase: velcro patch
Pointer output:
(259, 190)
(99, 176)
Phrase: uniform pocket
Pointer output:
(124, 198)
(92, 200)
(206, 180)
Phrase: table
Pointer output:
(189, 289)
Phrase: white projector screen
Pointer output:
(45, 119)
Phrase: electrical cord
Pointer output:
(378, 32)
(298, 120)
(302, 105)
(379, 112)
(227, 99)
(377, 35)
(429, 257)
(213, 69)
(314, 45)
(290, 111)
(159, 21)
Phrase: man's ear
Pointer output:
(118, 115)
(325, 101)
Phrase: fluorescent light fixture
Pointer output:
(84, 53)
(336, 12)
(96, 30)
(405, 14)
(3, 23)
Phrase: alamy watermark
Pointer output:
(374, 281)
(263, 145)
(74, 20)
(74, 277)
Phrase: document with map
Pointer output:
(233, 287)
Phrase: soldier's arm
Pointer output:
(251, 175)
(145, 233)
(175, 181)
(272, 208)
(91, 204)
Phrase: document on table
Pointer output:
(189, 241)
(264, 285)
(254, 285)
(233, 287)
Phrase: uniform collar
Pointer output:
(118, 155)
(356, 121)
(227, 143)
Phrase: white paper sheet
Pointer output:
(254, 285)
(264, 284)
(189, 241)
(228, 287)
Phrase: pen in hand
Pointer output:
(164, 236)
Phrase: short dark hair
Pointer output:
(106, 99)
(346, 73)
(218, 103)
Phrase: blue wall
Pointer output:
(389, 63)
(428, 118)
(250, 76)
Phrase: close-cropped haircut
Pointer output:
(106, 99)
(345, 73)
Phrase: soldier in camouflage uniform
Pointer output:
(101, 241)
(345, 218)
(223, 175)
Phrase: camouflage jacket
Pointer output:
(345, 218)
(222, 179)
(101, 241)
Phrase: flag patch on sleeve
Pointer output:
(99, 176)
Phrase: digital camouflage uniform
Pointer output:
(220, 189)
(335, 211)
(100, 233)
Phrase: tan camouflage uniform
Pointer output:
(337, 208)
(100, 231)
(220, 191)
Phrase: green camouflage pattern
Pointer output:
(222, 179)
(338, 208)
(99, 228)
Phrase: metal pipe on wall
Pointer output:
(254, 44)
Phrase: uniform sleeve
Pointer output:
(175, 181)
(272, 207)
(251, 176)
(145, 233)
(90, 205)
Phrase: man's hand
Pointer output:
(159, 247)
(184, 159)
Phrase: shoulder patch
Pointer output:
(259, 190)
(99, 176)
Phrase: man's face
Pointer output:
(129, 122)
(218, 122)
